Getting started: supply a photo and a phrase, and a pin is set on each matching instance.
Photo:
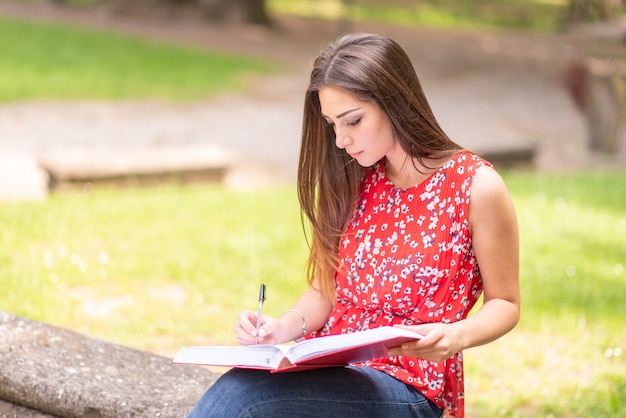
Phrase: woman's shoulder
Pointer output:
(469, 158)
(462, 167)
(489, 196)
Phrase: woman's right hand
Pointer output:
(245, 329)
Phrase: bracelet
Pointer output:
(297, 312)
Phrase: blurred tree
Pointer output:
(598, 88)
(233, 11)
(592, 10)
(596, 80)
(249, 11)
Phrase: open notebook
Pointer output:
(329, 351)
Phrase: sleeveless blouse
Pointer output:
(406, 258)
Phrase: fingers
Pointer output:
(246, 332)
(435, 346)
(245, 328)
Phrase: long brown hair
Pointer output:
(375, 69)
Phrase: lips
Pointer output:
(355, 155)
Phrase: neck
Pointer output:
(407, 174)
(410, 172)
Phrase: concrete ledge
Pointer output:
(11, 410)
(521, 156)
(53, 371)
(137, 165)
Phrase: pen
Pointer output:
(259, 311)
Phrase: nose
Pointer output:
(342, 138)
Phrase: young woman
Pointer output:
(408, 229)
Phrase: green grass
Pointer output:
(166, 266)
(565, 359)
(579, 220)
(534, 15)
(151, 268)
(50, 61)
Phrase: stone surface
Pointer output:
(60, 372)
(145, 165)
(10, 410)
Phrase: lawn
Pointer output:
(50, 61)
(161, 267)
(566, 357)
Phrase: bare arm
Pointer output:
(315, 309)
(313, 306)
(495, 240)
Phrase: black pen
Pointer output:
(259, 311)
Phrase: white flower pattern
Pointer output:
(407, 258)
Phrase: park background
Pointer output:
(168, 264)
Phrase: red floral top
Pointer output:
(407, 258)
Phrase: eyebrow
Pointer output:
(341, 115)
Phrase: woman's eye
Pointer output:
(354, 122)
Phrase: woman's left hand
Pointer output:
(439, 343)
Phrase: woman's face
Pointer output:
(361, 128)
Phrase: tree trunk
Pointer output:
(607, 107)
(229, 11)
(598, 87)
(236, 11)
(156, 9)
(590, 10)
(257, 12)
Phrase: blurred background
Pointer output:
(148, 152)
(537, 82)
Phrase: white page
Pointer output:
(251, 355)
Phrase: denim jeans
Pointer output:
(335, 392)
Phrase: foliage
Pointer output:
(534, 15)
(41, 61)
(503, 14)
(593, 10)
(167, 266)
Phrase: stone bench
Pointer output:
(137, 166)
(48, 371)
(516, 156)
(29, 176)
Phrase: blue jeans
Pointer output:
(334, 392)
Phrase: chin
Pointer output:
(366, 162)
